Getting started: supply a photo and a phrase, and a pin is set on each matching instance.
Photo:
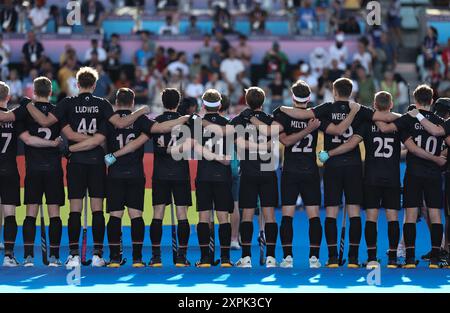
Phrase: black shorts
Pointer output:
(125, 192)
(417, 189)
(214, 194)
(264, 187)
(162, 191)
(343, 180)
(307, 185)
(48, 183)
(376, 197)
(82, 177)
(10, 189)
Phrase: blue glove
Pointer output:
(110, 159)
(323, 156)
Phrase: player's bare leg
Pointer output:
(235, 221)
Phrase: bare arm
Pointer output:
(227, 130)
(250, 145)
(132, 146)
(433, 129)
(209, 155)
(386, 127)
(339, 129)
(292, 139)
(346, 147)
(41, 118)
(8, 116)
(166, 127)
(88, 144)
(298, 114)
(74, 136)
(125, 121)
(267, 130)
(421, 153)
(38, 142)
(385, 116)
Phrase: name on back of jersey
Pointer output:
(7, 125)
(86, 109)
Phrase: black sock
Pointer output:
(114, 229)
(409, 235)
(98, 231)
(137, 236)
(29, 234)
(315, 236)
(371, 240)
(10, 234)
(183, 233)
(331, 236)
(394, 238)
(286, 235)
(246, 231)
(225, 240)
(437, 231)
(155, 236)
(55, 233)
(271, 230)
(74, 228)
(355, 232)
(203, 239)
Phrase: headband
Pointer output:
(211, 104)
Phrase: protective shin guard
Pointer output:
(55, 233)
(155, 236)
(29, 235)
(371, 240)
(137, 236)
(74, 228)
(203, 239)
(409, 235)
(286, 235)
(355, 236)
(98, 231)
(114, 229)
(246, 231)
(225, 240)
(183, 233)
(10, 234)
(331, 236)
(315, 236)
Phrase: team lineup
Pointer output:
(104, 148)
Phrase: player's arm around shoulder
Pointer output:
(88, 144)
(38, 142)
(421, 153)
(290, 140)
(339, 129)
(125, 121)
(433, 129)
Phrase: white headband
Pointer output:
(211, 104)
(301, 100)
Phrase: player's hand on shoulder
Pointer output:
(313, 124)
(413, 113)
(58, 142)
(354, 106)
(247, 114)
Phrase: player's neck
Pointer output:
(343, 99)
(40, 99)
(423, 108)
(170, 110)
(83, 90)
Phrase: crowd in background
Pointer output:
(219, 64)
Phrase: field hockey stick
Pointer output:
(261, 238)
(212, 240)
(43, 237)
(342, 242)
(174, 233)
(84, 260)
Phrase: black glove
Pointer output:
(24, 101)
(246, 115)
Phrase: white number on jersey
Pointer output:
(307, 148)
(83, 129)
(347, 134)
(384, 148)
(47, 132)
(127, 140)
(430, 145)
(8, 137)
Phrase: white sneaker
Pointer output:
(28, 261)
(235, 245)
(73, 261)
(287, 262)
(245, 262)
(9, 261)
(98, 261)
(314, 262)
(54, 262)
(372, 265)
(271, 262)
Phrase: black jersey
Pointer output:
(129, 165)
(336, 112)
(8, 144)
(165, 167)
(410, 127)
(300, 157)
(86, 114)
(41, 159)
(253, 164)
(214, 170)
(447, 133)
(382, 164)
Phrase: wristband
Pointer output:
(420, 117)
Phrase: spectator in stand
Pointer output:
(196, 66)
(444, 87)
(65, 74)
(170, 28)
(385, 56)
(319, 60)
(56, 91)
(258, 18)
(335, 72)
(32, 52)
(366, 86)
(244, 52)
(69, 51)
(446, 57)
(188, 106)
(307, 18)
(231, 67)
(390, 85)
(351, 26)
(114, 53)
(39, 16)
(337, 17)
(274, 61)
(237, 90)
(93, 61)
(276, 91)
(5, 53)
(429, 51)
(216, 83)
(160, 60)
(216, 59)
(403, 93)
(140, 87)
(15, 87)
(395, 20)
(363, 56)
(104, 87)
(434, 77)
(222, 19)
(339, 51)
(193, 29)
(96, 49)
(93, 14)
(195, 88)
(223, 42)
(166, 5)
(55, 17)
(355, 91)
(179, 66)
(146, 52)
(123, 81)
(206, 50)
(8, 17)
(325, 88)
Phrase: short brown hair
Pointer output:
(42, 87)
(4, 91)
(125, 97)
(255, 97)
(170, 98)
(87, 77)
(301, 89)
(423, 95)
(212, 95)
(343, 87)
(383, 100)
